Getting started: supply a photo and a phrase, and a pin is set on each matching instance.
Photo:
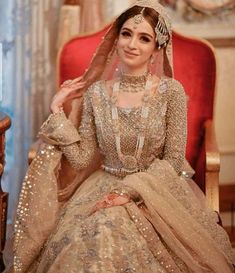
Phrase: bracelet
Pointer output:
(61, 110)
(121, 192)
(109, 199)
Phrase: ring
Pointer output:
(67, 82)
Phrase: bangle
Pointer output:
(121, 192)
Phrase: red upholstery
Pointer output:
(77, 54)
(194, 66)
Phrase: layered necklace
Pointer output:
(129, 83)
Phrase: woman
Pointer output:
(136, 213)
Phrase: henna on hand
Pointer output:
(110, 200)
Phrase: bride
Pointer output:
(136, 212)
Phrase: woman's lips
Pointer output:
(130, 54)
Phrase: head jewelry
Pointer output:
(139, 18)
(105, 61)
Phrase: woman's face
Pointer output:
(136, 43)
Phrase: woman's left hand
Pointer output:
(69, 90)
(113, 199)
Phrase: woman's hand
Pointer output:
(70, 89)
(111, 200)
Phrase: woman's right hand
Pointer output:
(70, 89)
(111, 200)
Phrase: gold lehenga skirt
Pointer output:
(169, 230)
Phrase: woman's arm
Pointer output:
(80, 154)
(78, 146)
(176, 127)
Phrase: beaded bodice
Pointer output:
(129, 119)
(165, 129)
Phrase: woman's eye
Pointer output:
(125, 33)
(145, 39)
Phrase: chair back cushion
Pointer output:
(75, 56)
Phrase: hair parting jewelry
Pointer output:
(139, 17)
(161, 31)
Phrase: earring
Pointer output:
(152, 59)
(116, 51)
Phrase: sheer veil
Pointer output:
(105, 61)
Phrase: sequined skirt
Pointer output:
(168, 232)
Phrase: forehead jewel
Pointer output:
(161, 30)
(139, 17)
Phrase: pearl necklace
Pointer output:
(130, 162)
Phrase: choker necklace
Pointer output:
(130, 162)
(133, 84)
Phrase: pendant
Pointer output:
(129, 162)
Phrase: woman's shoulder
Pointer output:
(173, 84)
(94, 86)
(103, 87)
(173, 87)
(94, 89)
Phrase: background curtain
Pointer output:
(80, 17)
(86, 16)
(28, 31)
(91, 15)
(113, 8)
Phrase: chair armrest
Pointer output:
(212, 151)
(212, 166)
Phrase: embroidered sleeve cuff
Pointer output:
(58, 130)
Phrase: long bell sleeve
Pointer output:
(78, 146)
(176, 127)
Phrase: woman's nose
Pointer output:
(132, 43)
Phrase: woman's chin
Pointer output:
(131, 66)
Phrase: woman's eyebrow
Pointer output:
(147, 34)
(141, 33)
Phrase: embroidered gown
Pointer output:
(163, 229)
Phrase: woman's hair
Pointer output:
(150, 15)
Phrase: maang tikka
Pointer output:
(139, 18)
(161, 31)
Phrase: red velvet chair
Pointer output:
(195, 68)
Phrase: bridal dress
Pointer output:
(164, 228)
